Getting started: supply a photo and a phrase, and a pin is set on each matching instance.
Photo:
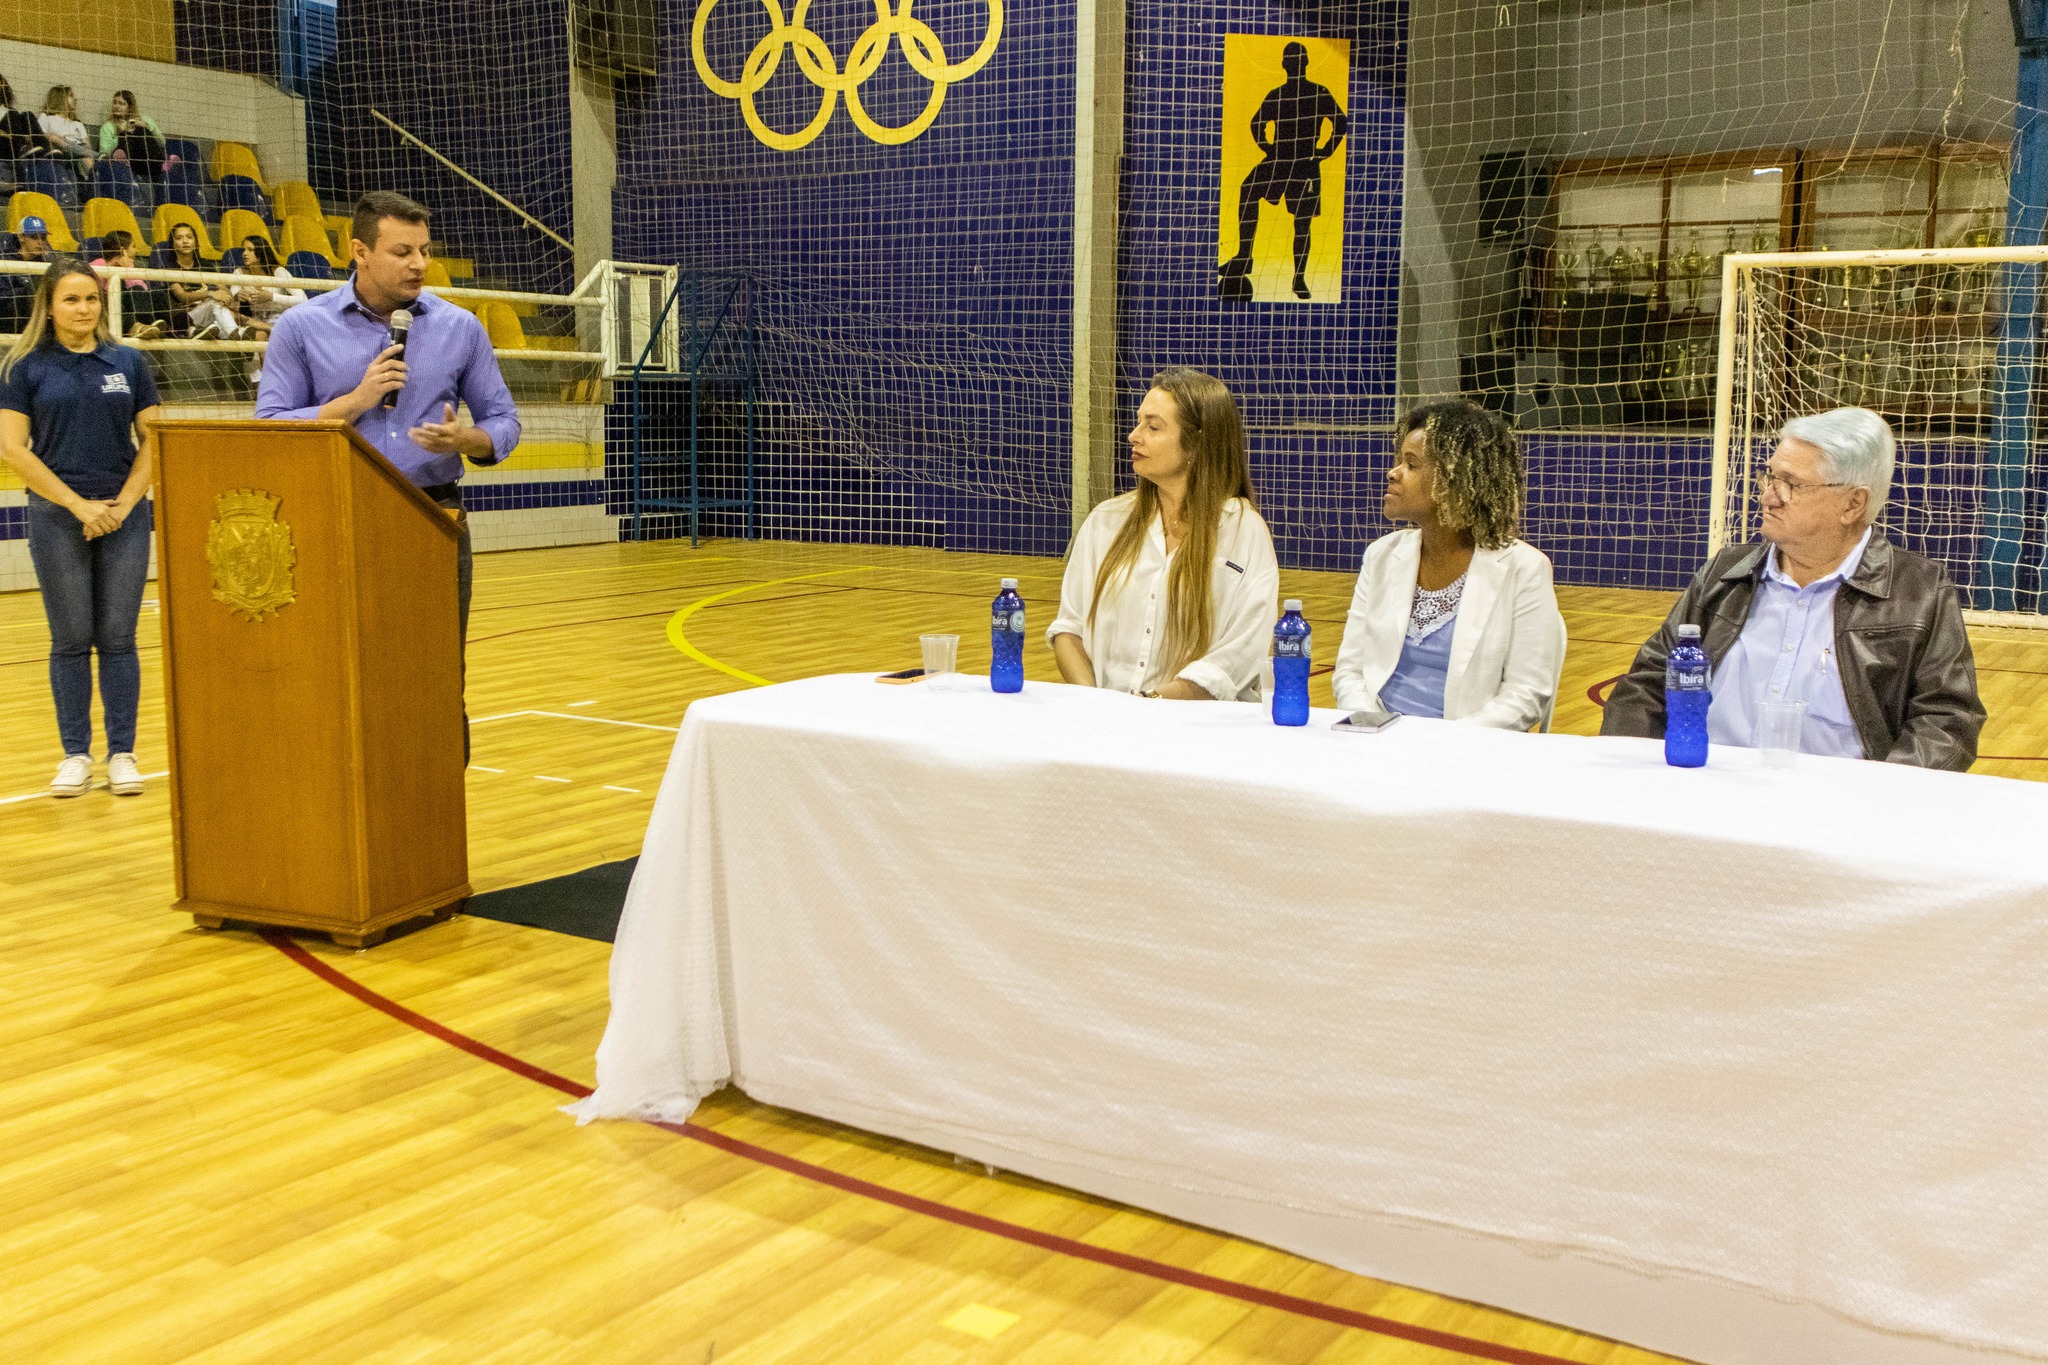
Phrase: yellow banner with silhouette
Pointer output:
(1280, 220)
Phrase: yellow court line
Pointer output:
(682, 641)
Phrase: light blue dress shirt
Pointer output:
(319, 350)
(1416, 686)
(1786, 652)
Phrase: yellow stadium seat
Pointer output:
(232, 158)
(169, 216)
(236, 224)
(103, 216)
(437, 275)
(503, 325)
(29, 204)
(301, 233)
(296, 199)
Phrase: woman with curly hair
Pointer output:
(1457, 617)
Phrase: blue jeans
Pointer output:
(92, 593)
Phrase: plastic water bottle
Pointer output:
(1006, 639)
(1290, 666)
(1686, 699)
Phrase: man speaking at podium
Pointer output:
(335, 357)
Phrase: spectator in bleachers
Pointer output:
(140, 311)
(259, 304)
(66, 136)
(132, 136)
(34, 241)
(32, 244)
(209, 309)
(20, 134)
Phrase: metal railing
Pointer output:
(595, 292)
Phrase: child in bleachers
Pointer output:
(132, 136)
(66, 136)
(142, 312)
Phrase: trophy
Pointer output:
(1621, 266)
(1976, 291)
(1564, 280)
(1692, 267)
(1596, 264)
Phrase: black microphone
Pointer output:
(401, 323)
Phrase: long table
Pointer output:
(1738, 1063)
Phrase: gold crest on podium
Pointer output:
(251, 553)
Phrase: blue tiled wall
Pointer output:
(486, 85)
(1315, 382)
(914, 302)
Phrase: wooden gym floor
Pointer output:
(209, 1151)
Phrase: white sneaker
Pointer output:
(74, 776)
(124, 778)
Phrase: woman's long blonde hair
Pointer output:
(38, 331)
(1213, 433)
(61, 100)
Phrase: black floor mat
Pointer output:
(586, 904)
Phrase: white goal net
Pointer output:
(1947, 345)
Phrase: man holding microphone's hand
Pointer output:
(341, 355)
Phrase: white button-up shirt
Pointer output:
(1127, 643)
(1786, 652)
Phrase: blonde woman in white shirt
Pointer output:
(1455, 617)
(1170, 590)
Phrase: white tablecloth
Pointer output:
(1742, 1064)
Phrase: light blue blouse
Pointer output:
(1416, 686)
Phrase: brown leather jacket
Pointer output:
(1907, 672)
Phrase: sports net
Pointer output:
(1529, 207)
(1945, 344)
(266, 121)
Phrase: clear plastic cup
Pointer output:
(941, 657)
(1778, 725)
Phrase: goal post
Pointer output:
(1947, 344)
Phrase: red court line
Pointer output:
(1015, 1232)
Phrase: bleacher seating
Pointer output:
(186, 150)
(295, 199)
(185, 183)
(53, 179)
(302, 235)
(112, 179)
(309, 265)
(169, 216)
(31, 204)
(103, 216)
(240, 193)
(237, 224)
(503, 325)
(232, 158)
(437, 274)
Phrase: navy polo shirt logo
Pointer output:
(114, 383)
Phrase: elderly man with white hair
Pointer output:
(1825, 610)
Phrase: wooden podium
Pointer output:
(312, 681)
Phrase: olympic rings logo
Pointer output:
(920, 47)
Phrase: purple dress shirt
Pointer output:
(320, 349)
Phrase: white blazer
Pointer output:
(1509, 641)
(1126, 641)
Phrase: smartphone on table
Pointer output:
(1366, 722)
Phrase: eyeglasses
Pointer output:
(1787, 491)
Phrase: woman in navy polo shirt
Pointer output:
(75, 411)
